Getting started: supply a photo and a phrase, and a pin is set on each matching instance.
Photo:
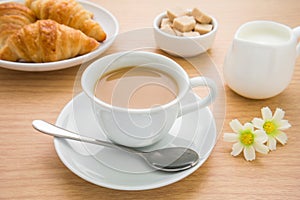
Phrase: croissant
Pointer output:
(46, 41)
(13, 16)
(70, 13)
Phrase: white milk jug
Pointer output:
(261, 59)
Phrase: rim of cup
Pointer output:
(109, 59)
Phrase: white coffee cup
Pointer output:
(142, 127)
(261, 59)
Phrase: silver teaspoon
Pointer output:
(170, 159)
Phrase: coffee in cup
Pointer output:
(136, 87)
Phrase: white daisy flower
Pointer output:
(273, 126)
(246, 139)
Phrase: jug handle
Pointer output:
(297, 34)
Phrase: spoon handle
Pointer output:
(56, 131)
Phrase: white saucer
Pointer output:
(118, 170)
(107, 21)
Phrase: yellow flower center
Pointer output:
(247, 138)
(269, 127)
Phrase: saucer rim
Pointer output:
(175, 176)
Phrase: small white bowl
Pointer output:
(183, 46)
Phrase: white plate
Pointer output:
(119, 170)
(107, 21)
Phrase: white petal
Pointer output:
(283, 125)
(278, 115)
(236, 125)
(261, 148)
(271, 143)
(258, 123)
(249, 153)
(230, 137)
(266, 113)
(260, 136)
(249, 126)
(237, 149)
(282, 138)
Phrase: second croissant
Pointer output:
(70, 13)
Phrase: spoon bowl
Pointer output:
(172, 159)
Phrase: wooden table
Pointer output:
(30, 168)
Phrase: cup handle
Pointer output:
(200, 81)
(297, 34)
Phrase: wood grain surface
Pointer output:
(31, 169)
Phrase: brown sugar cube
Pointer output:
(201, 17)
(172, 14)
(203, 28)
(184, 23)
(190, 34)
(165, 22)
(177, 32)
(168, 29)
